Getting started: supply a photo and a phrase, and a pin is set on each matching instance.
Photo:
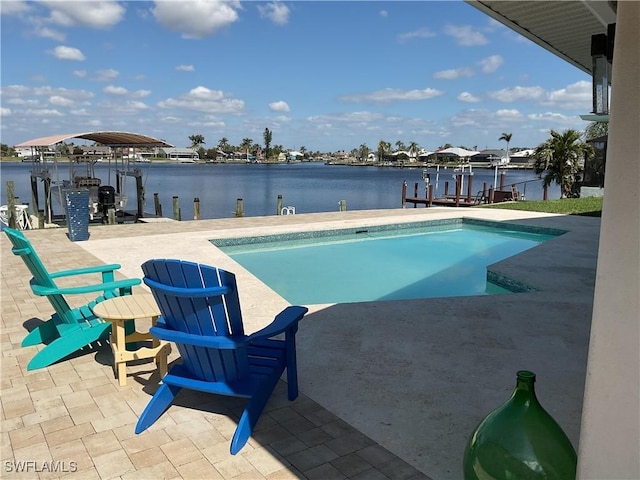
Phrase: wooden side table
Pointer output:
(128, 308)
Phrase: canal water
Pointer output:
(309, 187)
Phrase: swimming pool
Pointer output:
(388, 262)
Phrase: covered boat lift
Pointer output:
(113, 139)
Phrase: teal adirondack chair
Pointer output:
(69, 329)
(201, 314)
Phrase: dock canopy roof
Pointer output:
(110, 139)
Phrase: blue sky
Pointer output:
(325, 75)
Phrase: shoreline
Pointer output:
(480, 165)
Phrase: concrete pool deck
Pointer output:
(388, 389)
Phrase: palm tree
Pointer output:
(268, 136)
(507, 138)
(414, 148)
(383, 149)
(400, 145)
(196, 140)
(558, 158)
(246, 145)
(596, 129)
(223, 143)
(364, 152)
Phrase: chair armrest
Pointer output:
(287, 318)
(86, 270)
(198, 292)
(222, 343)
(101, 287)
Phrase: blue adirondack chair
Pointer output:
(201, 314)
(69, 329)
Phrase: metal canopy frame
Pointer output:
(107, 138)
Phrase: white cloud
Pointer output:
(107, 75)
(360, 117)
(576, 96)
(60, 101)
(15, 8)
(135, 105)
(196, 19)
(46, 32)
(518, 93)
(465, 35)
(384, 13)
(68, 53)
(491, 64)
(5, 112)
(277, 12)
(468, 98)
(141, 93)
(80, 73)
(508, 114)
(61, 91)
(93, 14)
(185, 68)
(552, 117)
(113, 90)
(205, 100)
(279, 106)
(391, 95)
(420, 33)
(43, 112)
(452, 74)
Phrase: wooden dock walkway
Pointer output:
(484, 196)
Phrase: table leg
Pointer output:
(161, 356)
(121, 367)
(161, 361)
(129, 328)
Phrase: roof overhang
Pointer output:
(562, 27)
(109, 139)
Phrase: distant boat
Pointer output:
(498, 162)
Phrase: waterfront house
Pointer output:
(183, 155)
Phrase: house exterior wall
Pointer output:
(610, 429)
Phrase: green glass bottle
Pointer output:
(519, 441)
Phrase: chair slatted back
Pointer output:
(23, 248)
(179, 289)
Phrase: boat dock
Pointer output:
(459, 198)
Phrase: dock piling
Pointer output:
(458, 189)
(176, 208)
(404, 193)
(279, 205)
(196, 208)
(158, 206)
(239, 208)
(11, 203)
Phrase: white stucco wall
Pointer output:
(610, 431)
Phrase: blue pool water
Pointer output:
(392, 264)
